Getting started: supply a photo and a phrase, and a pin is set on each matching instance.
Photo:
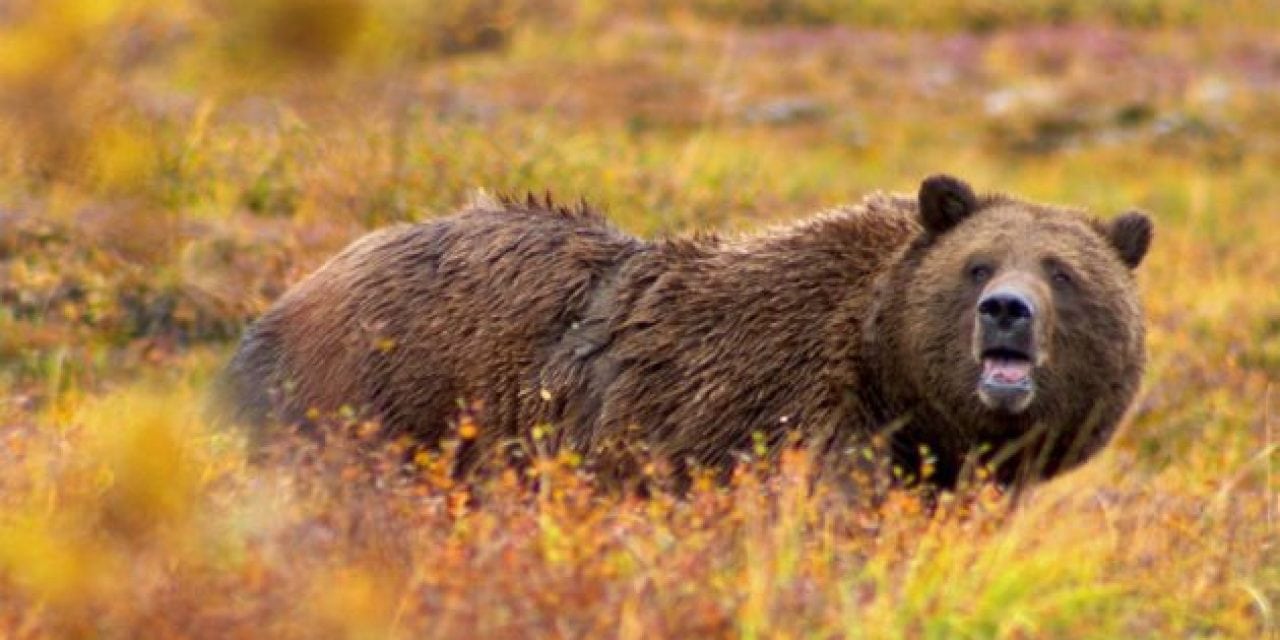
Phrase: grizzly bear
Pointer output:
(962, 329)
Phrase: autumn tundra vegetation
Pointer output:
(168, 170)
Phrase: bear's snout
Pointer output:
(1006, 318)
(1008, 344)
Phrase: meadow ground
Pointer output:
(166, 169)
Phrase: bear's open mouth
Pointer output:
(1006, 383)
(1007, 366)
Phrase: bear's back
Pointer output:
(408, 320)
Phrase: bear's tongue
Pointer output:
(1006, 370)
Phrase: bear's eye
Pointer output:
(980, 273)
(1061, 277)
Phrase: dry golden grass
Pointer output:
(166, 169)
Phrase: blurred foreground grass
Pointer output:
(166, 169)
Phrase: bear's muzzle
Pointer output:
(1007, 345)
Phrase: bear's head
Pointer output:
(1011, 331)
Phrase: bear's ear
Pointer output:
(1130, 234)
(944, 202)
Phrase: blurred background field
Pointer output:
(168, 168)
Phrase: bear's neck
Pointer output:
(924, 441)
(847, 262)
(872, 254)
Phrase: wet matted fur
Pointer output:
(854, 321)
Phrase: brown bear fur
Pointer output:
(854, 322)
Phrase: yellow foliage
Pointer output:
(53, 564)
(353, 603)
(123, 159)
(145, 445)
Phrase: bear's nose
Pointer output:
(1006, 309)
